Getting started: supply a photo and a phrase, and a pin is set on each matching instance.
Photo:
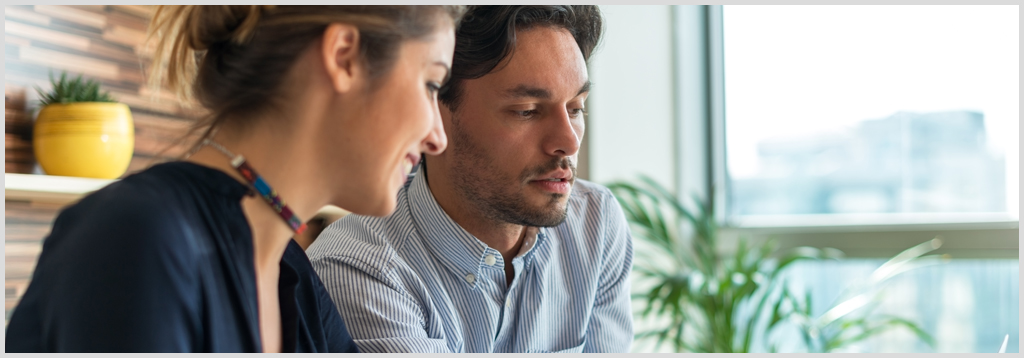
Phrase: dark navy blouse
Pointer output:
(162, 261)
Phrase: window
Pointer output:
(872, 129)
(871, 114)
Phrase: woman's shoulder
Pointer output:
(158, 188)
(145, 213)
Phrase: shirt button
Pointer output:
(490, 260)
(470, 278)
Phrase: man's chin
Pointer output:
(529, 208)
(551, 213)
(555, 219)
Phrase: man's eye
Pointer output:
(527, 113)
(576, 112)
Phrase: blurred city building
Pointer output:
(905, 163)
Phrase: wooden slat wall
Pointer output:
(102, 42)
(18, 156)
(25, 225)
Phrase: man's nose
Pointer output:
(563, 138)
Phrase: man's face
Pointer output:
(514, 136)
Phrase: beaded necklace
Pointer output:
(257, 183)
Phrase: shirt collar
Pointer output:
(453, 246)
(530, 240)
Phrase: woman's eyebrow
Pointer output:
(447, 70)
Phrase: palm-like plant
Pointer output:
(710, 302)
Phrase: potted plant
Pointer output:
(704, 300)
(81, 131)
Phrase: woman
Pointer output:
(326, 104)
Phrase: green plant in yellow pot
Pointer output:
(81, 131)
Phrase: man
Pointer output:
(495, 245)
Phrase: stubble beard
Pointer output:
(488, 191)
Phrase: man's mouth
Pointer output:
(558, 182)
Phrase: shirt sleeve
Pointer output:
(611, 325)
(122, 279)
(380, 315)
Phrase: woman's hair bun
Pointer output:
(210, 25)
(184, 31)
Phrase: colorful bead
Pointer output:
(268, 194)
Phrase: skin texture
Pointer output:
(514, 127)
(339, 137)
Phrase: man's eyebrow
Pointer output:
(584, 89)
(522, 91)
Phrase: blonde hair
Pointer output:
(231, 59)
(187, 29)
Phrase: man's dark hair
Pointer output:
(487, 35)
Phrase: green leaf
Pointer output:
(679, 336)
(777, 314)
(66, 91)
(872, 328)
(665, 196)
(767, 293)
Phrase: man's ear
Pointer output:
(340, 51)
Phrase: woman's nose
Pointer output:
(436, 141)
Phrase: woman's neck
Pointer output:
(278, 167)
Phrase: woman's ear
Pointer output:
(340, 50)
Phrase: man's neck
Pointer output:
(502, 236)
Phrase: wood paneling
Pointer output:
(18, 157)
(25, 224)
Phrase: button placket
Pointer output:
(508, 297)
(506, 318)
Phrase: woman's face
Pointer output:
(399, 122)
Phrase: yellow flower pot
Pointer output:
(87, 139)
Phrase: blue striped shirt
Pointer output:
(415, 281)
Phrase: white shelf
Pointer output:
(49, 188)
